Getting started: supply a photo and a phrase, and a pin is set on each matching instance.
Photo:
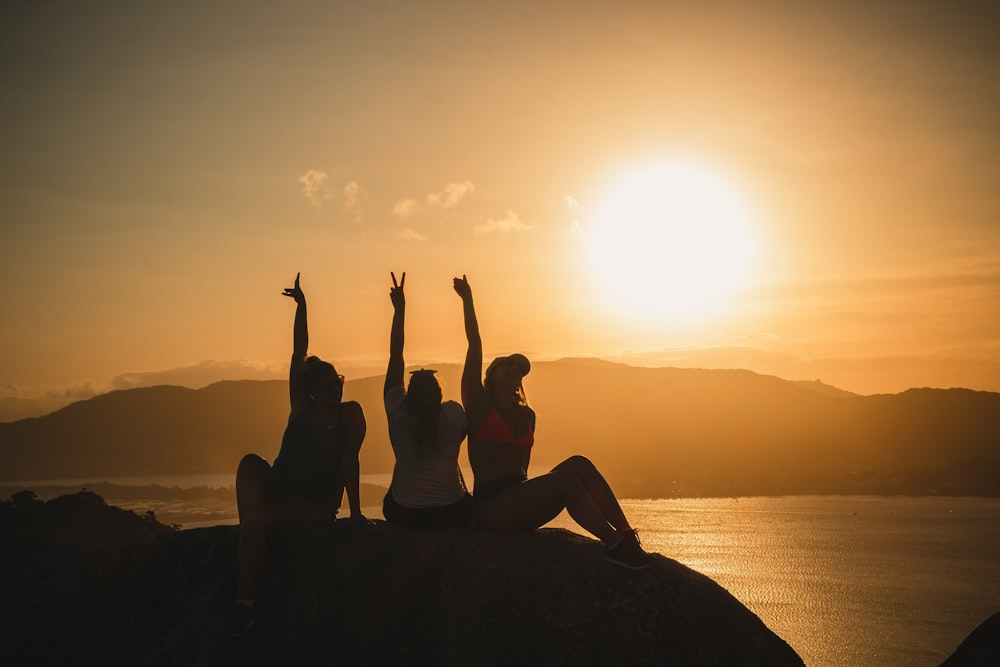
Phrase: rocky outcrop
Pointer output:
(981, 648)
(365, 595)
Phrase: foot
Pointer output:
(628, 553)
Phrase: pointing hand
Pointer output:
(295, 292)
(462, 287)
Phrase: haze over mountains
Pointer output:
(655, 432)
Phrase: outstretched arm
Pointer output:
(297, 392)
(394, 373)
(473, 394)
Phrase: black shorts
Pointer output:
(456, 515)
(488, 490)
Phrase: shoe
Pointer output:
(238, 621)
(628, 553)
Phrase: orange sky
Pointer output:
(168, 167)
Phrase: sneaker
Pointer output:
(239, 620)
(628, 553)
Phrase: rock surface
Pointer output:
(146, 594)
(981, 648)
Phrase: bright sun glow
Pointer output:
(671, 242)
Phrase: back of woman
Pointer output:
(308, 463)
(426, 434)
(425, 473)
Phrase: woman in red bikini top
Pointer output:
(501, 436)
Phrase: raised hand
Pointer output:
(462, 287)
(396, 291)
(295, 292)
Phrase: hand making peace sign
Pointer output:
(396, 291)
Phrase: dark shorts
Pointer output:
(488, 490)
(456, 515)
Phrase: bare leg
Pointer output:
(254, 492)
(537, 501)
(254, 485)
(599, 490)
(261, 515)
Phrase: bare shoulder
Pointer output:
(352, 412)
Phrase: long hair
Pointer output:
(425, 412)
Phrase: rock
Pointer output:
(383, 595)
(981, 648)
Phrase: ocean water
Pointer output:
(847, 581)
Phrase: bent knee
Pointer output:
(578, 463)
(252, 463)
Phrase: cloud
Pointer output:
(76, 392)
(202, 374)
(447, 198)
(451, 194)
(511, 222)
(409, 234)
(314, 187)
(354, 197)
(405, 208)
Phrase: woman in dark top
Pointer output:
(501, 436)
(318, 460)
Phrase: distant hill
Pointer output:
(655, 432)
(13, 408)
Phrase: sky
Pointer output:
(168, 167)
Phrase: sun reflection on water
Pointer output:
(846, 581)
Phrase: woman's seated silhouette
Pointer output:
(426, 434)
(501, 437)
(317, 461)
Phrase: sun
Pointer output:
(671, 242)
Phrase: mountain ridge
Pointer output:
(655, 432)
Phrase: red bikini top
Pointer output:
(495, 429)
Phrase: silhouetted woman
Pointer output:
(501, 436)
(427, 489)
(317, 461)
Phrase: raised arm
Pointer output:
(473, 394)
(394, 373)
(297, 393)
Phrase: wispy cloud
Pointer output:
(354, 197)
(572, 203)
(451, 195)
(201, 374)
(405, 208)
(511, 222)
(446, 198)
(409, 234)
(76, 392)
(314, 187)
